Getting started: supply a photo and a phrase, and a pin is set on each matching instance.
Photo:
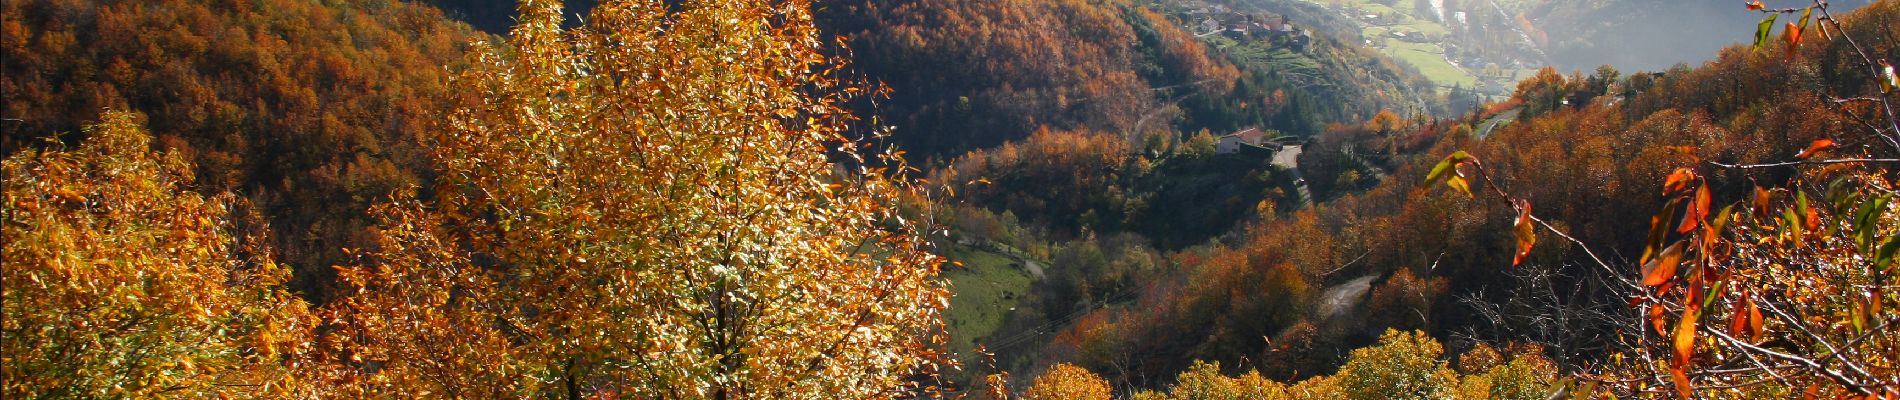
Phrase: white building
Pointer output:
(1231, 143)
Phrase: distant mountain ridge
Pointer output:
(969, 75)
(1648, 34)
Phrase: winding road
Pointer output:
(1289, 158)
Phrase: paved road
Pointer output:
(1485, 128)
(1338, 299)
(1034, 268)
(1289, 158)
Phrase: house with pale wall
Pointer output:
(1232, 142)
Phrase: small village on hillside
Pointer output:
(1214, 19)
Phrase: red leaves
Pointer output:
(1698, 211)
(1745, 319)
(1792, 33)
(1684, 350)
(1754, 321)
(1792, 36)
(1678, 181)
(1684, 343)
(1658, 318)
(1659, 269)
(1762, 196)
(1681, 379)
(1816, 147)
(1526, 233)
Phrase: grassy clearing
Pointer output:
(1428, 57)
(1430, 60)
(1374, 8)
(1256, 53)
(985, 289)
(1281, 58)
(1422, 26)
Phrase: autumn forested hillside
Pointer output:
(309, 111)
(968, 75)
(1590, 156)
(644, 207)
(885, 199)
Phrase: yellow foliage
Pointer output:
(1527, 376)
(1204, 381)
(1068, 382)
(120, 283)
(644, 207)
(1402, 365)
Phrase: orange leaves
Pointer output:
(1683, 342)
(1755, 5)
(1525, 231)
(1681, 379)
(1745, 319)
(1658, 318)
(1738, 317)
(1697, 211)
(1663, 267)
(1791, 36)
(1682, 346)
(1791, 32)
(1691, 202)
(1459, 184)
(1688, 211)
(1761, 200)
(1678, 181)
(1816, 147)
(1692, 207)
(1711, 279)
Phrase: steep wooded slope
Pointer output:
(307, 109)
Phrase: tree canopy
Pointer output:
(647, 206)
(122, 282)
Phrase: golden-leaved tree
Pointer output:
(122, 283)
(647, 206)
(1065, 381)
